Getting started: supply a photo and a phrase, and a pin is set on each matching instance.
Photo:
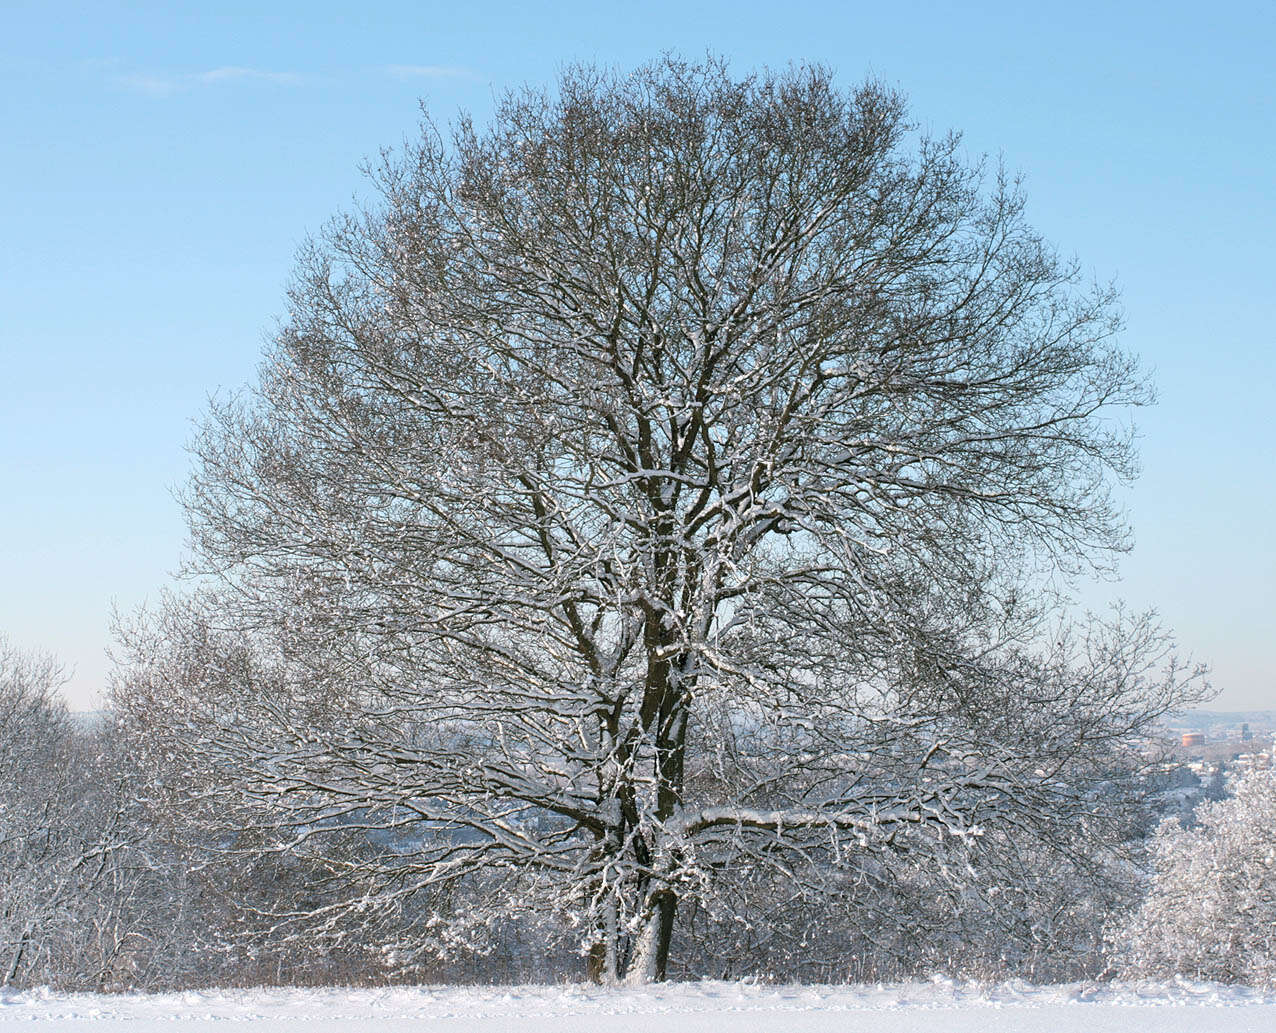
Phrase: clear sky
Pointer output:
(162, 161)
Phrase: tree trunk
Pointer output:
(601, 965)
(665, 912)
(11, 976)
(650, 961)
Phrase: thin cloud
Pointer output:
(407, 73)
(232, 73)
(164, 84)
(144, 82)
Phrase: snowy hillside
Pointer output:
(686, 1008)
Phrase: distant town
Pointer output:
(1240, 739)
(1206, 748)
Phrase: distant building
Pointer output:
(1193, 739)
(1246, 735)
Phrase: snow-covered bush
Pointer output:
(1210, 912)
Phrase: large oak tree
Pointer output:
(673, 476)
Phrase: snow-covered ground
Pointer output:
(937, 1007)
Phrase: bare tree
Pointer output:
(675, 475)
(71, 876)
(35, 741)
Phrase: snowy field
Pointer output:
(688, 1008)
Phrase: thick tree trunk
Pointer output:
(650, 962)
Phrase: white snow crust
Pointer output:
(936, 1007)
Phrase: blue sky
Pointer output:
(161, 163)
